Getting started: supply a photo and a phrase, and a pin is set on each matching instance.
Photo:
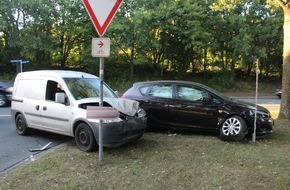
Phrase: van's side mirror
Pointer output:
(60, 97)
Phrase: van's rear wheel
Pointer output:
(21, 126)
(84, 138)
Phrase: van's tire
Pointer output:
(21, 125)
(84, 138)
(233, 129)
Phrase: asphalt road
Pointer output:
(271, 103)
(15, 149)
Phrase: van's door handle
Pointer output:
(44, 108)
(37, 107)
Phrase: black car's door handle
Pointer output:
(177, 105)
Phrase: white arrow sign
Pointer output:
(101, 47)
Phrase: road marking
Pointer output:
(5, 115)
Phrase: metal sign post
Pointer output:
(20, 61)
(101, 49)
(21, 66)
(256, 101)
(101, 105)
(101, 13)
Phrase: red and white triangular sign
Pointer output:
(102, 12)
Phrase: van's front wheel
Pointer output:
(84, 138)
(21, 126)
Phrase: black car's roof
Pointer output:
(168, 82)
(180, 82)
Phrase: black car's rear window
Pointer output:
(162, 91)
(143, 90)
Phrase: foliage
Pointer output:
(179, 36)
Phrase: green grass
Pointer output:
(159, 161)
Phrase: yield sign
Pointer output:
(102, 12)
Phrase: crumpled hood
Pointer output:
(128, 107)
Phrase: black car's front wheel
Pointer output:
(84, 138)
(234, 128)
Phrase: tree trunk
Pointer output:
(285, 100)
(232, 76)
(132, 65)
(204, 59)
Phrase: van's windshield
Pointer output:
(87, 88)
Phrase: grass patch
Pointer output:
(159, 161)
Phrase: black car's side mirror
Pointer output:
(206, 99)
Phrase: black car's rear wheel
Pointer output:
(84, 138)
(21, 126)
(234, 128)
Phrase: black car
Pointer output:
(279, 92)
(188, 105)
(6, 88)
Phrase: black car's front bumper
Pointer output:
(264, 126)
(5, 99)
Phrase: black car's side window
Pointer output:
(215, 99)
(162, 91)
(144, 89)
(189, 93)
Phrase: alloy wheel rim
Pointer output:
(232, 126)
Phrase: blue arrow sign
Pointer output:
(15, 61)
(19, 61)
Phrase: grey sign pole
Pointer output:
(102, 60)
(101, 49)
(98, 16)
(256, 100)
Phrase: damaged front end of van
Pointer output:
(122, 122)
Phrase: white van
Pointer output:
(57, 101)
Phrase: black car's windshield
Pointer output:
(87, 88)
(216, 93)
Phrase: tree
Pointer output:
(10, 23)
(127, 32)
(187, 34)
(285, 99)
